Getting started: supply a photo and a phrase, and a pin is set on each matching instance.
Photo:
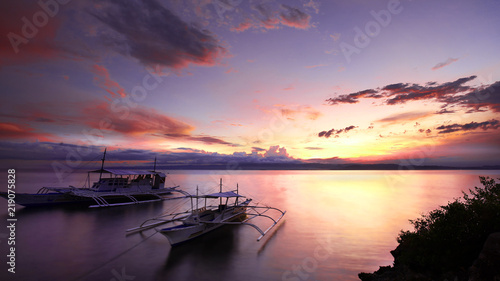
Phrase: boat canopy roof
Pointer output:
(226, 194)
(127, 172)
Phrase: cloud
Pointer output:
(243, 26)
(402, 92)
(445, 111)
(427, 132)
(479, 98)
(313, 148)
(313, 5)
(334, 132)
(486, 125)
(275, 154)
(354, 97)
(292, 112)
(154, 35)
(454, 93)
(405, 92)
(132, 121)
(104, 81)
(316, 65)
(267, 16)
(444, 63)
(231, 70)
(406, 116)
(200, 138)
(276, 151)
(50, 151)
(335, 36)
(294, 17)
(17, 131)
(25, 45)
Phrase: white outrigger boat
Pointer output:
(115, 187)
(198, 221)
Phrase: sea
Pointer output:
(337, 224)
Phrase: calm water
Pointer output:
(338, 223)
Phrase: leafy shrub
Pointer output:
(450, 238)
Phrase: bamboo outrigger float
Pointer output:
(198, 221)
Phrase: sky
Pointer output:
(203, 81)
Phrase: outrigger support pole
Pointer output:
(220, 191)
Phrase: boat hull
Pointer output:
(49, 199)
(185, 232)
(68, 199)
(182, 233)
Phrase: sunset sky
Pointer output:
(208, 80)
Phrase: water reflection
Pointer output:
(355, 214)
(212, 252)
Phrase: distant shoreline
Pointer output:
(233, 166)
(317, 166)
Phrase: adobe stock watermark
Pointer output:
(121, 107)
(48, 9)
(363, 37)
(306, 269)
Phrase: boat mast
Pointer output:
(102, 164)
(220, 190)
(154, 168)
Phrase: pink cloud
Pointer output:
(231, 70)
(245, 25)
(21, 132)
(104, 81)
(316, 65)
(133, 121)
(294, 17)
(267, 16)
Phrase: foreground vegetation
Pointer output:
(446, 242)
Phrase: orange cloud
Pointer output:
(304, 110)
